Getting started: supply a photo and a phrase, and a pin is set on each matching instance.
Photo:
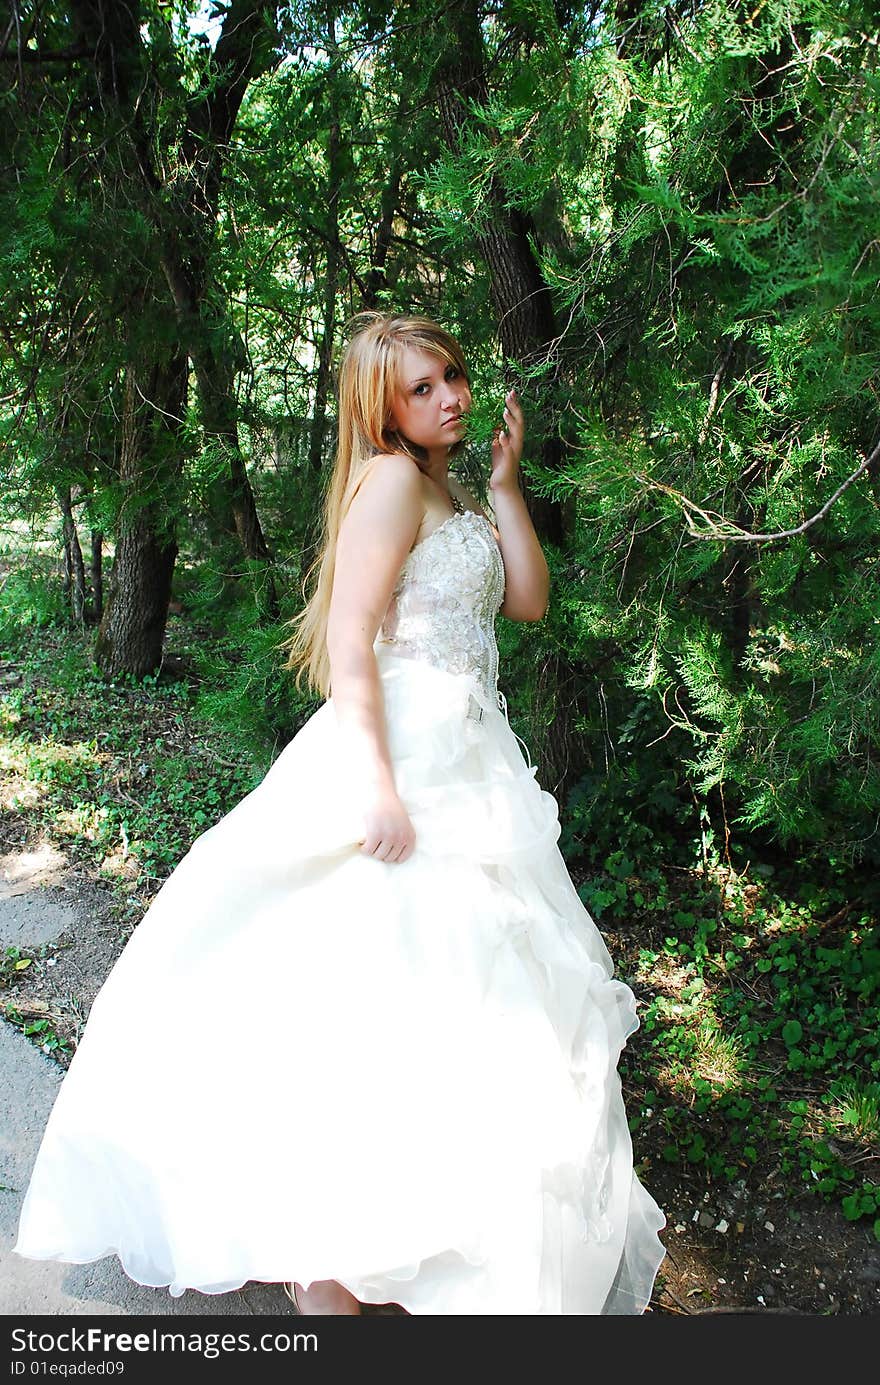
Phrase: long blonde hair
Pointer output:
(368, 378)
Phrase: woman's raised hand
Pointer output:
(507, 445)
(389, 833)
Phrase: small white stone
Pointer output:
(680, 1226)
(696, 1216)
(761, 1298)
(722, 1281)
(722, 1226)
(768, 1226)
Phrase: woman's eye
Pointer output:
(452, 372)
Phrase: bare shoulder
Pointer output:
(462, 494)
(391, 471)
(376, 532)
(389, 482)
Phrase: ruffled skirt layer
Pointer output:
(310, 1064)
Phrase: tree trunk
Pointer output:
(74, 569)
(325, 360)
(527, 329)
(244, 50)
(184, 222)
(521, 298)
(376, 278)
(388, 203)
(132, 629)
(213, 347)
(219, 412)
(97, 574)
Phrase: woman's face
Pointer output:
(430, 402)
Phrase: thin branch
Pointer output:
(714, 391)
(727, 531)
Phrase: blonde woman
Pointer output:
(364, 1042)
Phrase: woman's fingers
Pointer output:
(513, 414)
(389, 851)
(389, 833)
(512, 431)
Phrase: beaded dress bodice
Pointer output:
(442, 609)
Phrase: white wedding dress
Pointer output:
(310, 1064)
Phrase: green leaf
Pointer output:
(851, 1208)
(792, 1032)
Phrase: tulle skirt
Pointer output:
(310, 1064)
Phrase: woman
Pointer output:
(365, 1039)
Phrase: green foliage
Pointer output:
(30, 601)
(41, 1032)
(717, 377)
(707, 225)
(758, 996)
(115, 771)
(245, 696)
(13, 963)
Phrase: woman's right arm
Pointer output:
(374, 539)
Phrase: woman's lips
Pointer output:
(455, 419)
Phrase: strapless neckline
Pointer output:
(457, 514)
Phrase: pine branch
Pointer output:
(726, 530)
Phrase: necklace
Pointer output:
(453, 499)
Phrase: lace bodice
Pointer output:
(443, 606)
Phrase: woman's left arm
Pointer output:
(527, 577)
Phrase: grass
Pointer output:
(114, 773)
